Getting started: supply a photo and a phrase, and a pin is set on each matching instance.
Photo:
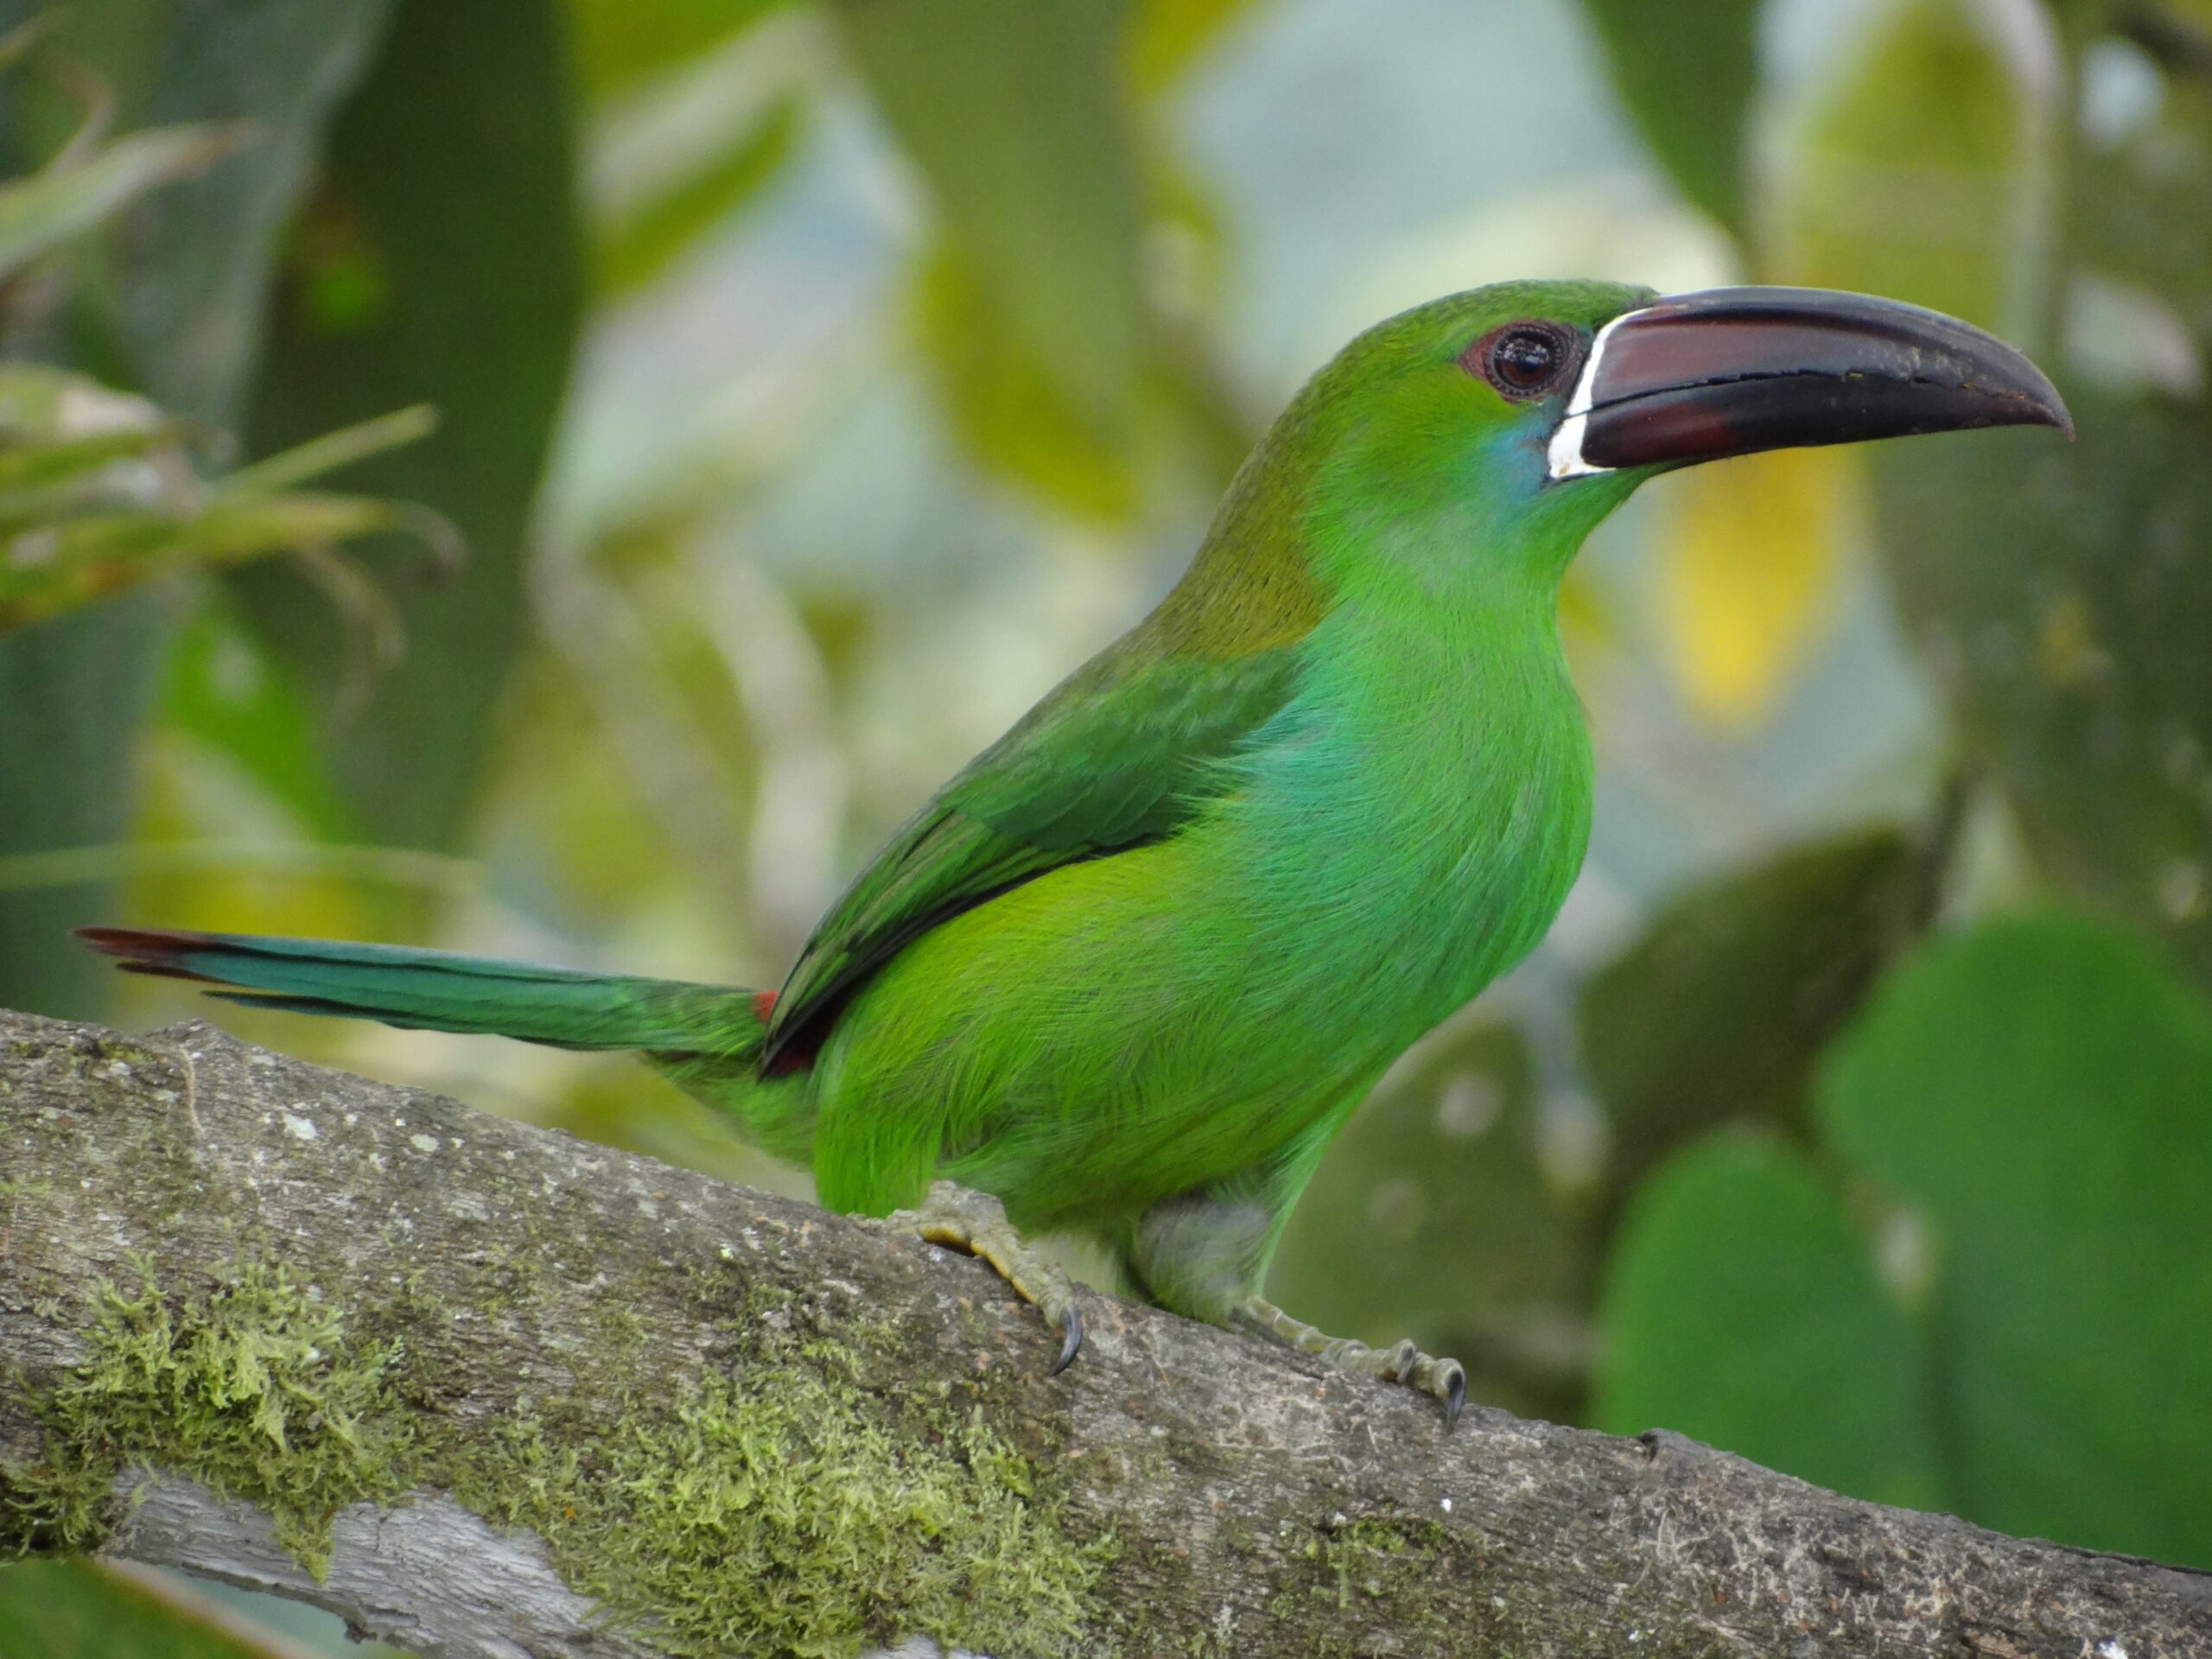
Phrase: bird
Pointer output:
(1127, 974)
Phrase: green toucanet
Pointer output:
(1132, 968)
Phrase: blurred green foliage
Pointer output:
(1745, 1309)
(1686, 74)
(2040, 1091)
(1985, 1289)
(818, 381)
(462, 122)
(1716, 1014)
(73, 1610)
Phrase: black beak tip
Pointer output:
(2033, 388)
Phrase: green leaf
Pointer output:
(1431, 1216)
(1742, 1309)
(60, 566)
(447, 192)
(1167, 37)
(75, 1610)
(1686, 73)
(228, 691)
(2059, 592)
(181, 302)
(1009, 410)
(326, 454)
(55, 424)
(71, 692)
(1717, 1013)
(1049, 227)
(2142, 213)
(620, 43)
(40, 213)
(644, 244)
(2042, 1088)
(95, 496)
(1921, 170)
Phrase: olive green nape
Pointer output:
(1253, 586)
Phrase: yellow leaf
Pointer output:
(1748, 551)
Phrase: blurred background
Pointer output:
(565, 478)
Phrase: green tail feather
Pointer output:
(445, 990)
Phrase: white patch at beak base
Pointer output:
(1564, 454)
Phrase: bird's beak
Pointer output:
(1734, 370)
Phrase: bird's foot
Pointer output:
(1400, 1362)
(975, 1222)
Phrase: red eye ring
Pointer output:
(1525, 360)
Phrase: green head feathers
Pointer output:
(1517, 416)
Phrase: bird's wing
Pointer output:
(1120, 754)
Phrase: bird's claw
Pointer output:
(1071, 1337)
(1401, 1361)
(975, 1222)
(1445, 1378)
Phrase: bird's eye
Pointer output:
(1523, 359)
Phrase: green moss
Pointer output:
(255, 1390)
(785, 1510)
(1417, 1569)
(776, 1505)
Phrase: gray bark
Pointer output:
(1256, 1501)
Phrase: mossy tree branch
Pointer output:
(485, 1389)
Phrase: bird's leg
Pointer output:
(1400, 1362)
(1204, 1254)
(975, 1222)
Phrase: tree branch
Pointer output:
(487, 1390)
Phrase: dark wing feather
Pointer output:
(1120, 754)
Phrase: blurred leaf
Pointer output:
(620, 43)
(75, 1610)
(2143, 213)
(1748, 551)
(179, 306)
(1010, 411)
(1687, 73)
(54, 422)
(1047, 228)
(39, 213)
(1431, 1218)
(226, 688)
(1717, 1013)
(1742, 1309)
(1166, 36)
(57, 567)
(1919, 173)
(641, 246)
(192, 262)
(94, 496)
(2043, 1086)
(2059, 591)
(72, 691)
(452, 167)
(326, 454)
